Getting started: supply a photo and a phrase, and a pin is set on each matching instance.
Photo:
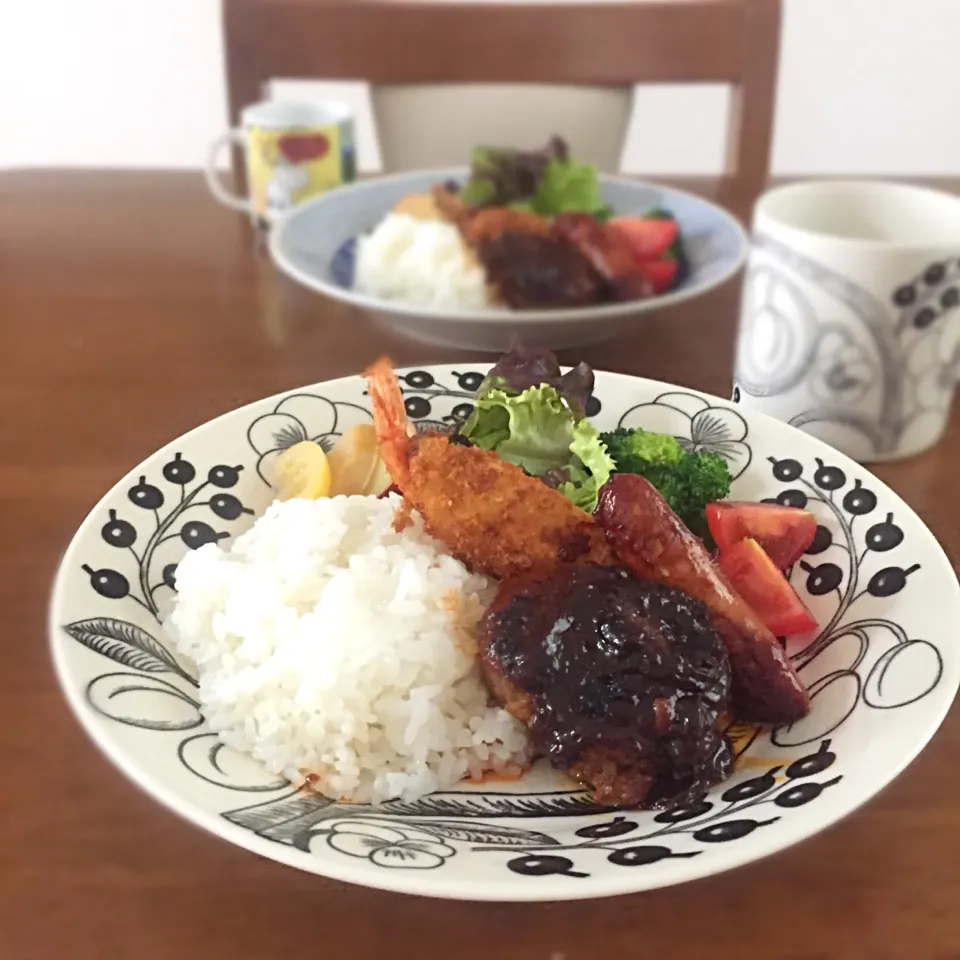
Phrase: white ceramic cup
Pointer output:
(293, 151)
(849, 327)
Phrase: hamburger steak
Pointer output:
(621, 682)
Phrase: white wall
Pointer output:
(866, 86)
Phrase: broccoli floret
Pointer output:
(688, 485)
(687, 481)
(635, 450)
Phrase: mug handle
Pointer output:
(219, 191)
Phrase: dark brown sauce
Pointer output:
(626, 679)
(531, 271)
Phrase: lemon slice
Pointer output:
(302, 472)
(353, 460)
(379, 480)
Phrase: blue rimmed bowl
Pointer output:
(315, 244)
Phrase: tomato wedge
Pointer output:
(785, 533)
(649, 238)
(764, 588)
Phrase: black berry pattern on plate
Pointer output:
(850, 574)
(410, 834)
(164, 506)
(144, 580)
(421, 389)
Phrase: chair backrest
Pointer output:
(437, 125)
(590, 44)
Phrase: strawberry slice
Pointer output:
(661, 273)
(649, 238)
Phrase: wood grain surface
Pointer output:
(132, 308)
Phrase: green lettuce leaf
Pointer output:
(538, 431)
(567, 187)
(590, 469)
(533, 429)
(525, 367)
(478, 192)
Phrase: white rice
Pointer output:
(327, 643)
(422, 262)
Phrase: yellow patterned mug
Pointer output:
(293, 151)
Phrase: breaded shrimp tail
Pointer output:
(489, 513)
(389, 419)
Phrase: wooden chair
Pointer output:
(598, 45)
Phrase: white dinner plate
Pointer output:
(882, 672)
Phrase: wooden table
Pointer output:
(131, 309)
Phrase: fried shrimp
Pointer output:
(489, 513)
